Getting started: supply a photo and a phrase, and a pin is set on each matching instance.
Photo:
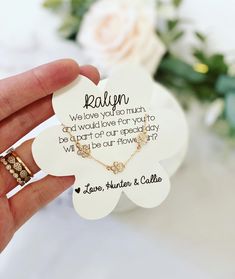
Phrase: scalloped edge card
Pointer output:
(107, 122)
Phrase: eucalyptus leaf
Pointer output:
(181, 69)
(230, 108)
(225, 84)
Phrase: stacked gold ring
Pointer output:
(16, 167)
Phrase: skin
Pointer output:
(25, 102)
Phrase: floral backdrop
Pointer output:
(110, 32)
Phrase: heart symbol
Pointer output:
(78, 190)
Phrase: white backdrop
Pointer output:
(191, 235)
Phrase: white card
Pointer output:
(108, 121)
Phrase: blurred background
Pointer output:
(189, 47)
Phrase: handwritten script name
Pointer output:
(105, 101)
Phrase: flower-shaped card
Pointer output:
(112, 141)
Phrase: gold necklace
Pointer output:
(116, 167)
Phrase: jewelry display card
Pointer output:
(112, 140)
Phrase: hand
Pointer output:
(25, 102)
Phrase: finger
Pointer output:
(7, 181)
(19, 91)
(31, 116)
(90, 72)
(36, 195)
(20, 123)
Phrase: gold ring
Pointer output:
(16, 167)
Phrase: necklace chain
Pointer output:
(84, 150)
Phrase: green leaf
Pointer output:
(52, 4)
(230, 108)
(76, 7)
(80, 7)
(171, 24)
(200, 56)
(180, 69)
(70, 27)
(177, 36)
(200, 36)
(177, 3)
(217, 64)
(205, 92)
(225, 84)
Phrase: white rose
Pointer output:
(118, 31)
